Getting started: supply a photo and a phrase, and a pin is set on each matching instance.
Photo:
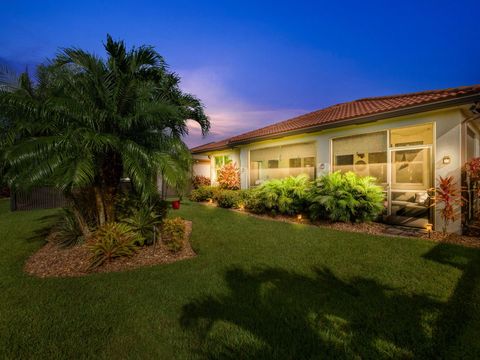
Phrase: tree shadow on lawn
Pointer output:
(458, 330)
(41, 233)
(272, 313)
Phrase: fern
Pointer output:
(346, 197)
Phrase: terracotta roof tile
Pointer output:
(345, 111)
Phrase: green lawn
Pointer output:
(258, 289)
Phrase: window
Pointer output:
(273, 164)
(471, 144)
(364, 154)
(295, 163)
(220, 161)
(282, 161)
(309, 161)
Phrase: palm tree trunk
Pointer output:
(109, 202)
(81, 222)
(100, 206)
(79, 217)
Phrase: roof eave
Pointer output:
(357, 120)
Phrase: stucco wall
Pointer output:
(447, 132)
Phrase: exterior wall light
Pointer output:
(299, 217)
(446, 160)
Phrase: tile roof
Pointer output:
(344, 111)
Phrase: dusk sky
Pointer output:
(259, 62)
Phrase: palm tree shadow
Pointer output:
(286, 315)
(458, 316)
(41, 233)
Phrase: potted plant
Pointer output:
(180, 190)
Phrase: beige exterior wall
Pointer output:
(448, 129)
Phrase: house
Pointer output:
(404, 141)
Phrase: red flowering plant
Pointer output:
(199, 181)
(448, 194)
(472, 180)
(229, 177)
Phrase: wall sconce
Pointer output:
(446, 160)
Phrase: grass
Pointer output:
(257, 290)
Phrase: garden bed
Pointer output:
(54, 261)
(371, 228)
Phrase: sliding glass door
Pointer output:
(411, 176)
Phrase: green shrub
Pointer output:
(346, 197)
(203, 193)
(228, 198)
(144, 221)
(284, 196)
(66, 232)
(111, 241)
(173, 234)
(126, 203)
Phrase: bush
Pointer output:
(229, 177)
(229, 198)
(199, 181)
(126, 203)
(66, 232)
(144, 221)
(284, 196)
(203, 193)
(111, 241)
(173, 234)
(346, 197)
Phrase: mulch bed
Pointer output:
(54, 261)
(372, 228)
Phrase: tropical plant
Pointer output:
(346, 197)
(144, 221)
(228, 198)
(203, 193)
(87, 122)
(229, 177)
(173, 234)
(112, 240)
(447, 194)
(472, 180)
(284, 196)
(66, 232)
(199, 181)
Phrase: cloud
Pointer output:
(229, 114)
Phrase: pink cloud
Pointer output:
(229, 114)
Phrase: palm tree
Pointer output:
(87, 122)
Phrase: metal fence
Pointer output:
(38, 198)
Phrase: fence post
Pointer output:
(13, 200)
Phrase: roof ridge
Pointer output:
(422, 92)
(347, 110)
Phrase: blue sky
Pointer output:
(257, 62)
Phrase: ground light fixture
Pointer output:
(429, 228)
